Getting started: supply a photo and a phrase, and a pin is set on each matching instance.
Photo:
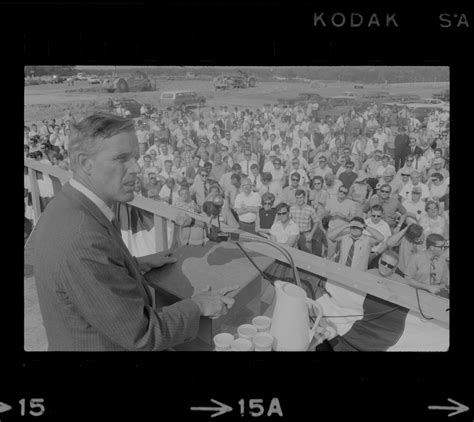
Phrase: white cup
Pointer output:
(262, 323)
(223, 342)
(246, 331)
(242, 345)
(263, 342)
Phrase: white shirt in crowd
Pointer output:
(251, 200)
(281, 233)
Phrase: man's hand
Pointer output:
(156, 260)
(434, 289)
(214, 304)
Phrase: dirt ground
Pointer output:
(52, 101)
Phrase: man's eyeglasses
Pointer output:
(404, 174)
(267, 203)
(386, 264)
(282, 212)
(385, 191)
(345, 192)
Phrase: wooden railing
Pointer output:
(357, 281)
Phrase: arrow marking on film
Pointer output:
(223, 408)
(459, 408)
(4, 407)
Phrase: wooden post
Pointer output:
(161, 233)
(34, 189)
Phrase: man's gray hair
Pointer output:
(86, 135)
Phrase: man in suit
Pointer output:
(91, 290)
(401, 148)
(413, 148)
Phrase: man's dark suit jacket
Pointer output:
(417, 151)
(91, 293)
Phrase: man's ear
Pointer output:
(85, 163)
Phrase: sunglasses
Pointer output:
(386, 264)
(282, 213)
(407, 175)
(295, 180)
(344, 192)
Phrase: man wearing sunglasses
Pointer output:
(387, 266)
(428, 269)
(376, 222)
(354, 246)
(390, 204)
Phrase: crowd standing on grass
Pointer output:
(366, 189)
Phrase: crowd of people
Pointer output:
(367, 189)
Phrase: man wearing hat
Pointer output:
(354, 245)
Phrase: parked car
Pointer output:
(94, 81)
(421, 111)
(435, 101)
(404, 98)
(302, 99)
(178, 98)
(128, 103)
(377, 96)
(58, 79)
(443, 95)
(358, 86)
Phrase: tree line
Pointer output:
(363, 74)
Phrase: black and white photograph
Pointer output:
(236, 208)
(204, 177)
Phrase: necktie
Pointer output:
(350, 255)
(248, 168)
(433, 271)
(206, 191)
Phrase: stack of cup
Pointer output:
(223, 342)
(242, 345)
(246, 332)
(263, 340)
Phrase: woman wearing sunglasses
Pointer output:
(266, 215)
